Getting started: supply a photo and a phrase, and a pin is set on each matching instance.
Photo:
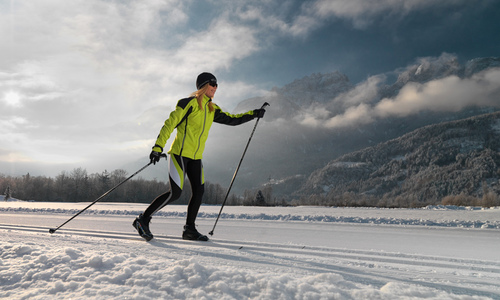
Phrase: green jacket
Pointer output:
(193, 125)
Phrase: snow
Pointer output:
(347, 164)
(438, 252)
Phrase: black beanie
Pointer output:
(205, 78)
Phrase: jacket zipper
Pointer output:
(202, 131)
(184, 139)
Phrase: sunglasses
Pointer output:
(214, 84)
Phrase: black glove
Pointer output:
(259, 113)
(154, 157)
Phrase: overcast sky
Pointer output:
(88, 83)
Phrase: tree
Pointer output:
(80, 184)
(61, 187)
(260, 200)
(267, 192)
(7, 193)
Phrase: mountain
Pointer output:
(433, 68)
(479, 64)
(318, 118)
(290, 99)
(421, 167)
(296, 136)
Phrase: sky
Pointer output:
(89, 83)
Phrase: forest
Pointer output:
(79, 186)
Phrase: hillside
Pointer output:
(421, 167)
(320, 117)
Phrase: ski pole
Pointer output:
(52, 230)
(236, 171)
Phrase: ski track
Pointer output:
(469, 277)
(432, 253)
(491, 224)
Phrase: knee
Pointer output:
(175, 193)
(198, 191)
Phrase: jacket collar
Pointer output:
(206, 99)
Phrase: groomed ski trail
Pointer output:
(369, 267)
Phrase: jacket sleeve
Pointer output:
(229, 119)
(175, 118)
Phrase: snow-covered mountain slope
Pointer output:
(421, 167)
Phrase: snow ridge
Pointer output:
(483, 224)
(287, 258)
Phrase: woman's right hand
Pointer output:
(154, 157)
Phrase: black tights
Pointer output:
(179, 167)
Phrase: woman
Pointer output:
(192, 118)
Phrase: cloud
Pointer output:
(67, 69)
(236, 91)
(366, 91)
(74, 72)
(217, 47)
(299, 19)
(80, 79)
(356, 115)
(9, 156)
(448, 94)
(361, 13)
(314, 116)
(12, 98)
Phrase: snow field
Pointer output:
(34, 271)
(94, 268)
(256, 253)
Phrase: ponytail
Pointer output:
(200, 94)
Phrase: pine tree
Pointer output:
(260, 200)
(7, 193)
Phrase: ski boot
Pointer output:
(190, 233)
(141, 224)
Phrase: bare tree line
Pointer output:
(79, 186)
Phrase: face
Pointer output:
(211, 91)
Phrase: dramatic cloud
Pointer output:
(89, 82)
(362, 13)
(73, 72)
(217, 47)
(449, 94)
(364, 92)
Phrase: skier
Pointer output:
(192, 118)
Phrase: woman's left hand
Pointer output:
(259, 113)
